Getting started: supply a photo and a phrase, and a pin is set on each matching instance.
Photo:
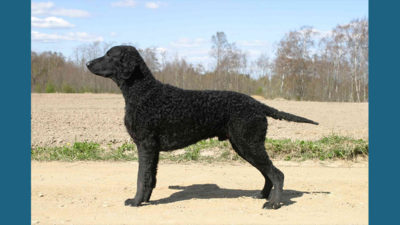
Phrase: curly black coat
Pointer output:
(161, 117)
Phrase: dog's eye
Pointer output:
(114, 52)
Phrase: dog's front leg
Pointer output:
(146, 180)
(153, 178)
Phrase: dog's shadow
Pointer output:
(208, 191)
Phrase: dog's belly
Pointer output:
(177, 139)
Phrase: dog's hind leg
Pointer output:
(247, 139)
(146, 180)
(265, 192)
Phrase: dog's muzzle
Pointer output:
(88, 64)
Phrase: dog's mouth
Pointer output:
(97, 68)
(103, 73)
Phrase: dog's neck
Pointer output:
(138, 84)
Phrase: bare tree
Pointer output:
(219, 48)
(150, 58)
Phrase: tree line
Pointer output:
(307, 65)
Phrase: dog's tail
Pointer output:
(279, 115)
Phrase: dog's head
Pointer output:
(119, 63)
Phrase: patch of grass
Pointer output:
(193, 152)
(125, 152)
(229, 154)
(66, 88)
(81, 151)
(77, 151)
(330, 147)
(50, 88)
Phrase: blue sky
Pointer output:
(182, 28)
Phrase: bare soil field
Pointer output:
(58, 119)
(197, 193)
(315, 192)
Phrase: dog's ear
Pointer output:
(131, 64)
(127, 70)
(131, 71)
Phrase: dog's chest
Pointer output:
(129, 119)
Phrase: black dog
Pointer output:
(160, 117)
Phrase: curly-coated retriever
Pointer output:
(161, 117)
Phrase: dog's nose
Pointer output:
(88, 63)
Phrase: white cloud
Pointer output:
(253, 52)
(316, 32)
(194, 50)
(41, 7)
(124, 3)
(70, 12)
(71, 36)
(323, 33)
(50, 22)
(161, 49)
(152, 5)
(188, 43)
(113, 34)
(42, 37)
(48, 8)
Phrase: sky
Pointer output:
(183, 28)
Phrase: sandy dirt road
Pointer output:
(220, 193)
(58, 119)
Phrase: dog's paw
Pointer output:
(271, 205)
(132, 202)
(259, 195)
